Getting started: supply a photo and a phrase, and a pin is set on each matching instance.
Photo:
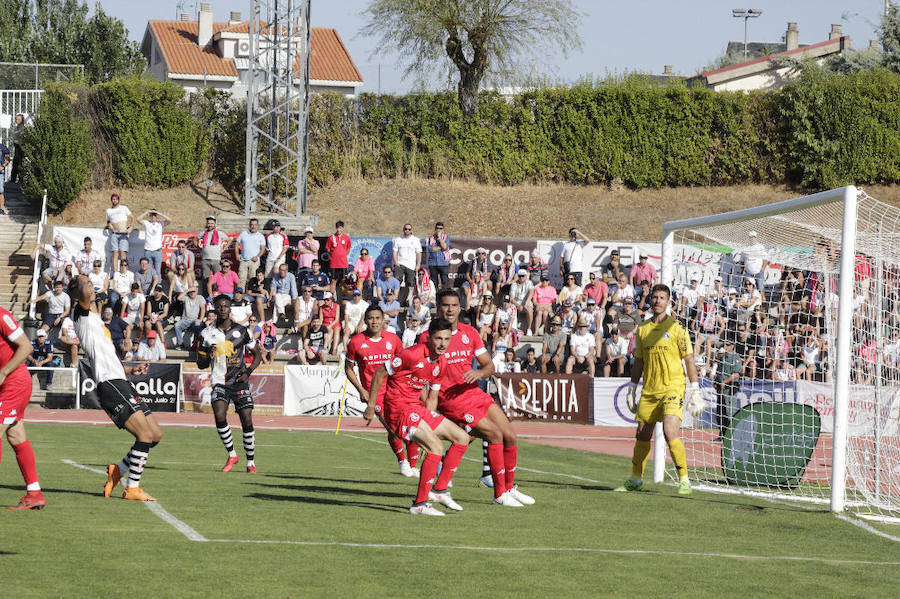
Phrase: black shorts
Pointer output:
(338, 274)
(238, 394)
(119, 400)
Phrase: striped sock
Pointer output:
(227, 440)
(485, 462)
(124, 464)
(249, 444)
(137, 460)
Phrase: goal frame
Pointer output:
(848, 196)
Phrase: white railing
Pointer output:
(17, 101)
(32, 309)
(72, 371)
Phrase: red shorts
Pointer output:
(403, 420)
(14, 397)
(467, 408)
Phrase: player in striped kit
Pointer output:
(117, 396)
(15, 392)
(369, 350)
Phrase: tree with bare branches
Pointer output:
(480, 37)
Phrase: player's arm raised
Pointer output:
(377, 381)
(485, 370)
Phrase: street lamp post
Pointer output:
(746, 14)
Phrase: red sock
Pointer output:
(497, 463)
(427, 473)
(450, 463)
(412, 453)
(25, 457)
(509, 458)
(397, 447)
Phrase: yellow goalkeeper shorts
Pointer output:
(652, 408)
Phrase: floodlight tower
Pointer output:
(278, 107)
(746, 14)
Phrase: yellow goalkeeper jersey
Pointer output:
(662, 347)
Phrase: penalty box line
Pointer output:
(193, 535)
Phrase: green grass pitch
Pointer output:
(327, 517)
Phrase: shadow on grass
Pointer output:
(56, 491)
(331, 480)
(322, 501)
(560, 485)
(333, 490)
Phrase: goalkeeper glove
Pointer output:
(631, 399)
(695, 402)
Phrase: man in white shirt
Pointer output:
(84, 260)
(690, 300)
(572, 258)
(520, 293)
(582, 347)
(407, 258)
(354, 310)
(153, 237)
(59, 256)
(58, 305)
(276, 249)
(119, 221)
(150, 349)
(241, 309)
(754, 258)
(120, 284)
(615, 353)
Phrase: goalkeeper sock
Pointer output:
(676, 448)
(639, 460)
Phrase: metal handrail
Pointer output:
(32, 310)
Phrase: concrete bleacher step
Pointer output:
(294, 225)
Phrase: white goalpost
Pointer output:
(794, 312)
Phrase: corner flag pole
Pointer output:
(335, 374)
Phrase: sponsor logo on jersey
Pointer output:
(465, 338)
(436, 370)
(420, 365)
(236, 334)
(414, 417)
(469, 418)
(397, 362)
(386, 345)
(365, 345)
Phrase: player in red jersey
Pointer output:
(15, 392)
(416, 368)
(369, 350)
(463, 402)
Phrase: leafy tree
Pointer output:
(889, 36)
(480, 37)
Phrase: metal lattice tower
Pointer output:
(278, 107)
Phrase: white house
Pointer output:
(202, 53)
(763, 72)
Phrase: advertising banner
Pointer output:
(315, 391)
(556, 397)
(266, 387)
(158, 387)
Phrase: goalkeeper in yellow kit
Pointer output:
(661, 345)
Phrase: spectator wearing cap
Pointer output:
(553, 347)
(437, 258)
(567, 315)
(150, 349)
(307, 252)
(338, 247)
(41, 356)
(544, 299)
(145, 277)
(628, 320)
(181, 261)
(506, 313)
(364, 269)
(571, 290)
(193, 313)
(612, 270)
(250, 246)
(223, 282)
(719, 293)
(479, 264)
(594, 316)
(212, 243)
(387, 281)
(754, 260)
(119, 222)
(354, 310)
(596, 289)
(614, 354)
(520, 293)
(582, 348)
(283, 293)
(503, 276)
(119, 330)
(572, 257)
(277, 245)
(391, 308)
(156, 313)
(484, 316)
(642, 271)
(241, 308)
(154, 222)
(120, 285)
(407, 256)
(537, 268)
(58, 255)
(330, 313)
(316, 279)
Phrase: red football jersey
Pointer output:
(9, 332)
(370, 353)
(409, 373)
(465, 344)
(338, 247)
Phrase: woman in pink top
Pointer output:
(223, 281)
(364, 267)
(544, 297)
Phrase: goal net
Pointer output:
(794, 314)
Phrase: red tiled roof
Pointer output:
(801, 50)
(329, 58)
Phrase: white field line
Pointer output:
(193, 535)
(866, 527)
(154, 507)
(518, 468)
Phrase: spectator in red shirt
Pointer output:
(338, 246)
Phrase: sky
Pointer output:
(618, 37)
